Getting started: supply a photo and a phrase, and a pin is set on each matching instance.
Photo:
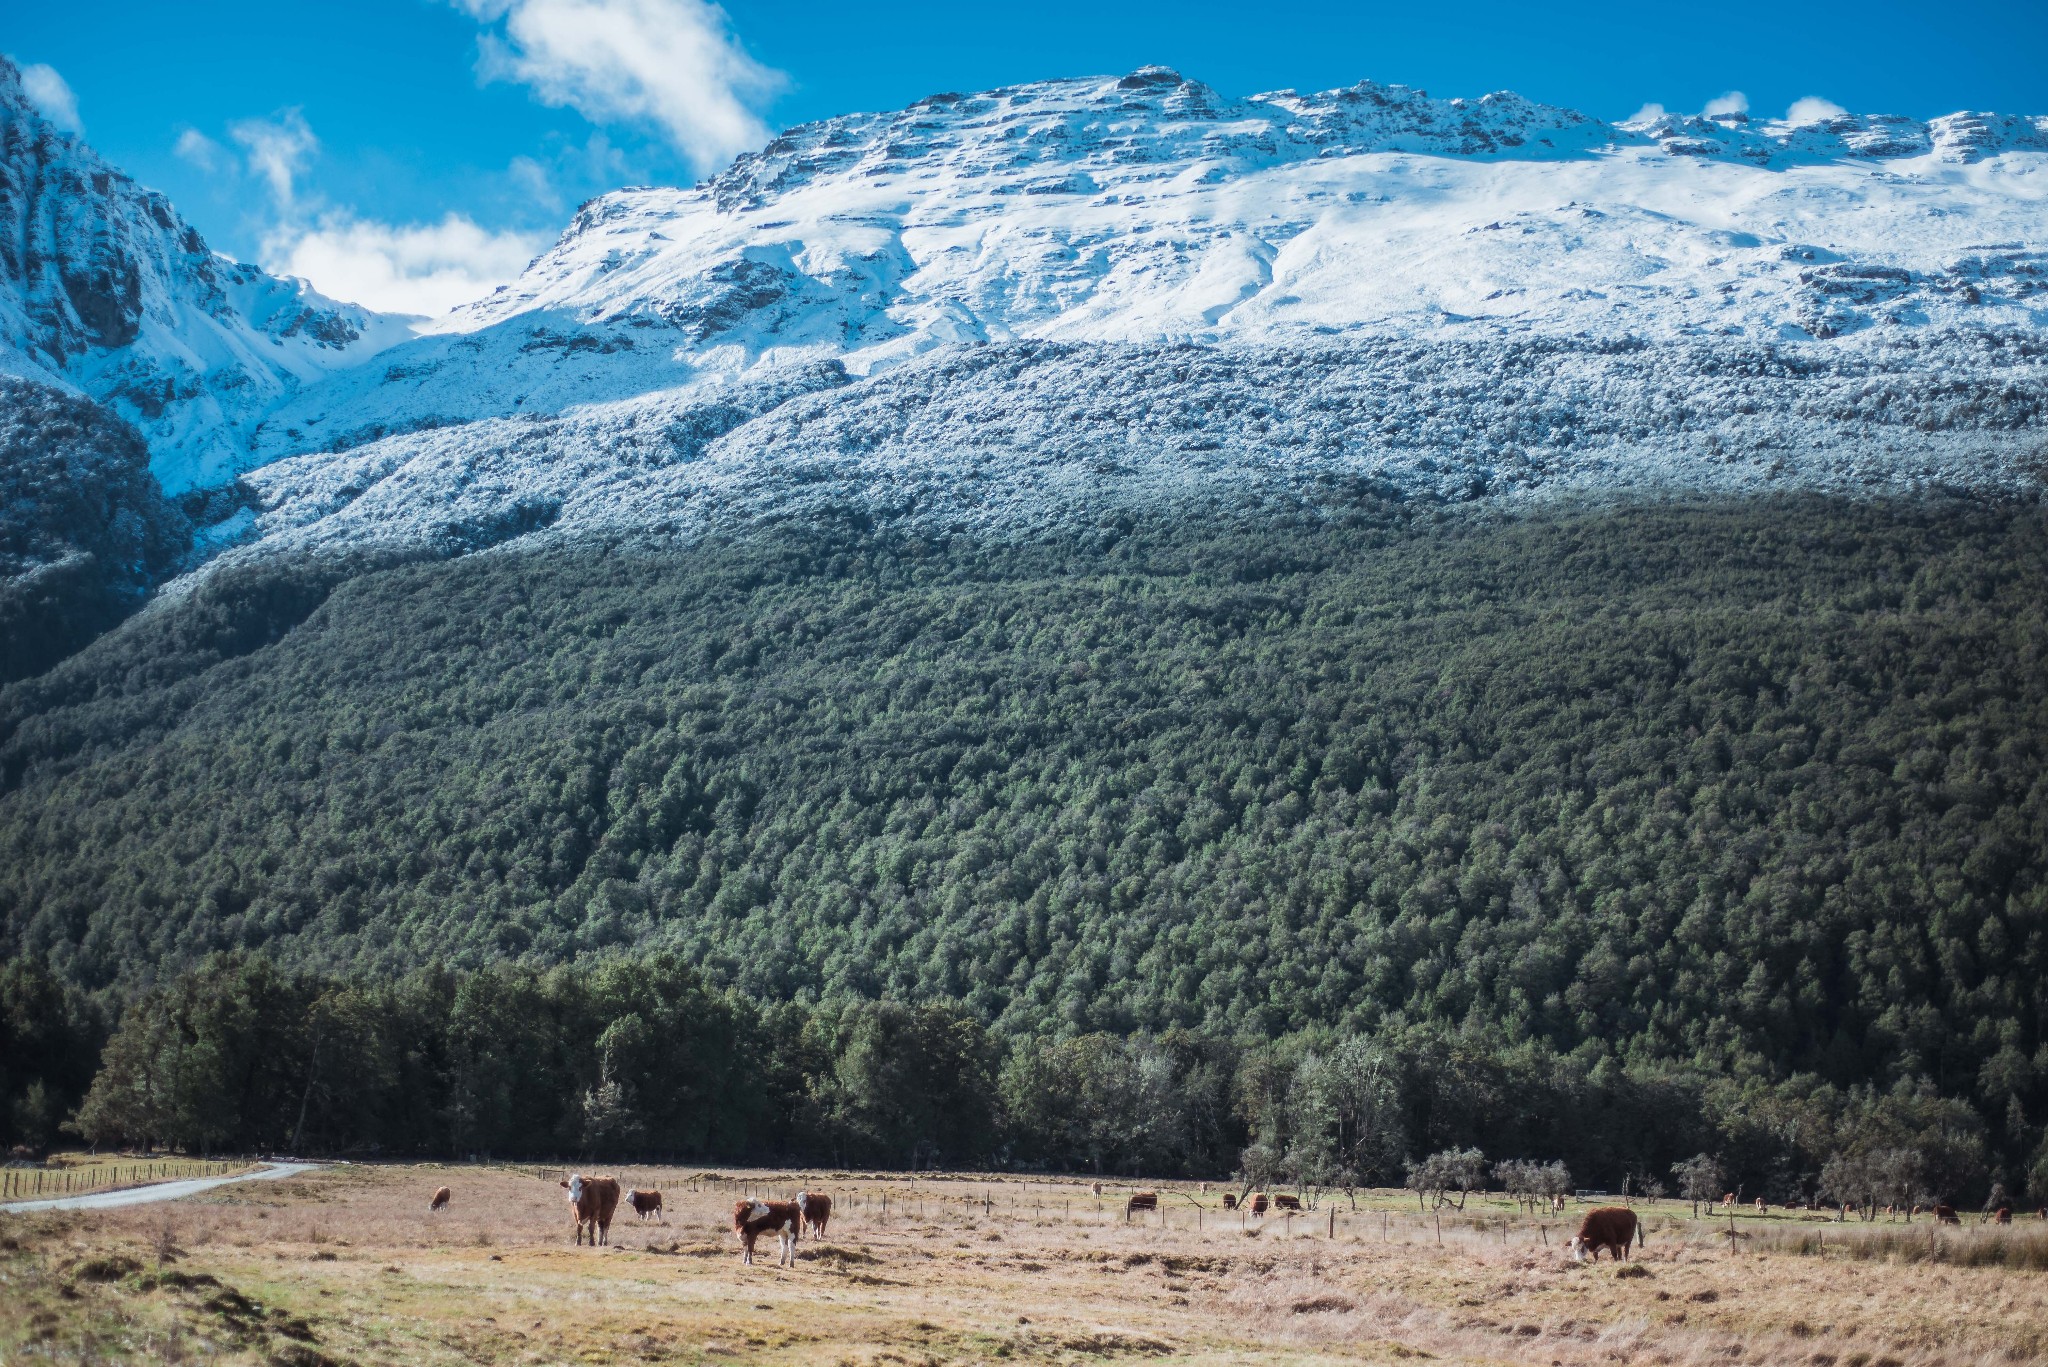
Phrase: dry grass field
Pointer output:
(346, 1265)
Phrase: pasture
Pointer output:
(347, 1265)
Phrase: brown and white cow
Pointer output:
(1727, 1200)
(594, 1200)
(1760, 1206)
(646, 1203)
(815, 1208)
(752, 1219)
(1613, 1228)
(2002, 1216)
(1141, 1200)
(1286, 1202)
(1230, 1200)
(440, 1201)
(1257, 1201)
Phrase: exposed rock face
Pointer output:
(103, 287)
(85, 530)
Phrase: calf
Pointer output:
(752, 1219)
(1141, 1200)
(440, 1201)
(1613, 1228)
(1286, 1202)
(594, 1200)
(646, 1203)
(816, 1209)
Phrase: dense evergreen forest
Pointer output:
(1607, 833)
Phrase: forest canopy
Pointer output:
(1749, 792)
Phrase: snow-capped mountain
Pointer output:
(988, 309)
(1147, 209)
(105, 291)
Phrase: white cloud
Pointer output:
(1814, 109)
(1649, 113)
(48, 92)
(1734, 102)
(201, 151)
(425, 268)
(278, 149)
(671, 63)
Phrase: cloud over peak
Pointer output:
(674, 64)
(52, 96)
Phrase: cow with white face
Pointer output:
(752, 1219)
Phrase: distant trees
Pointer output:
(1439, 1176)
(1532, 1183)
(1699, 1180)
(1315, 841)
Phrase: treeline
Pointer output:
(1747, 799)
(638, 1058)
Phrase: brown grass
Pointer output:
(347, 1265)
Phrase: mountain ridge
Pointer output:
(106, 291)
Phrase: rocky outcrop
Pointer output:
(104, 287)
(85, 530)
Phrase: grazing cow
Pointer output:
(594, 1200)
(1613, 1228)
(816, 1209)
(2002, 1216)
(1230, 1200)
(1728, 1200)
(646, 1203)
(752, 1219)
(1258, 1202)
(440, 1201)
(1946, 1214)
(1141, 1200)
(1286, 1202)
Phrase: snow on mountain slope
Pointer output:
(1148, 209)
(105, 291)
(1012, 439)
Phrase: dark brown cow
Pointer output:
(1230, 1200)
(1946, 1214)
(752, 1219)
(440, 1201)
(816, 1209)
(594, 1200)
(1257, 1200)
(1287, 1203)
(646, 1203)
(1613, 1228)
(1141, 1200)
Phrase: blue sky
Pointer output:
(407, 152)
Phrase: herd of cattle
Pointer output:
(594, 1201)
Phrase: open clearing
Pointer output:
(345, 1264)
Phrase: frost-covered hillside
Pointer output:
(1148, 209)
(991, 310)
(105, 291)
